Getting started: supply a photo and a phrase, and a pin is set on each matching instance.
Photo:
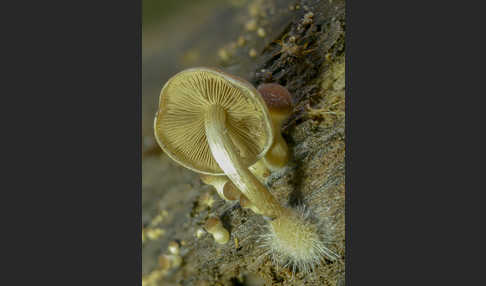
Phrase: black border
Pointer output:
(74, 70)
(77, 146)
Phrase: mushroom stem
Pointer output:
(224, 152)
(278, 155)
(218, 182)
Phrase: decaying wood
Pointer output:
(302, 49)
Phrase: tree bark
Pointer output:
(303, 49)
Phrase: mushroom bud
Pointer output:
(279, 103)
(173, 247)
(215, 227)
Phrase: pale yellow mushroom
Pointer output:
(215, 227)
(230, 192)
(217, 182)
(174, 247)
(217, 124)
(279, 103)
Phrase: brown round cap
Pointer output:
(276, 97)
(179, 123)
(230, 192)
(211, 223)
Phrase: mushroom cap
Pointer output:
(179, 122)
(212, 223)
(277, 98)
(213, 180)
(231, 192)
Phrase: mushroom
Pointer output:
(279, 103)
(174, 247)
(217, 182)
(217, 124)
(230, 192)
(215, 227)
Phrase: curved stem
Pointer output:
(225, 154)
(278, 155)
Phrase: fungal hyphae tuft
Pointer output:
(296, 242)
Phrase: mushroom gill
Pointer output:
(182, 125)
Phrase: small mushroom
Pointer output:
(279, 103)
(217, 182)
(215, 227)
(230, 192)
(174, 247)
